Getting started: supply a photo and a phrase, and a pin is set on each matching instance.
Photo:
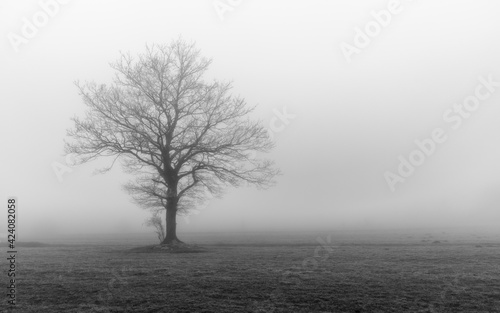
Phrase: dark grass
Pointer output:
(355, 277)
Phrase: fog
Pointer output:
(381, 127)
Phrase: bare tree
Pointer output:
(182, 136)
(156, 221)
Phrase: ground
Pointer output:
(325, 272)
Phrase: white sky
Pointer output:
(352, 120)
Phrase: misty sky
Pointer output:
(356, 103)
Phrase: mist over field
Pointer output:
(385, 119)
(344, 119)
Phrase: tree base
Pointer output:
(173, 241)
(176, 246)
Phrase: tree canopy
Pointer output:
(181, 136)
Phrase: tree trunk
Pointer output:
(171, 209)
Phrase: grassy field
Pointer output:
(322, 272)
